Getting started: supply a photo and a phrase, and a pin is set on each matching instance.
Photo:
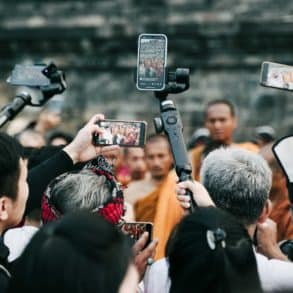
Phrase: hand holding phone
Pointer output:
(151, 62)
(136, 229)
(123, 133)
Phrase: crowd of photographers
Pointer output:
(64, 203)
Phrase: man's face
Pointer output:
(220, 123)
(136, 163)
(158, 158)
(17, 207)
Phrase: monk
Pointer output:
(134, 160)
(154, 197)
(220, 120)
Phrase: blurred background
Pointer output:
(223, 42)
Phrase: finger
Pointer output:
(140, 243)
(149, 251)
(180, 191)
(96, 118)
(183, 198)
(110, 148)
(94, 129)
(186, 185)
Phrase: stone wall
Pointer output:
(223, 43)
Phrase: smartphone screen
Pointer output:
(151, 62)
(136, 229)
(123, 133)
(28, 75)
(277, 76)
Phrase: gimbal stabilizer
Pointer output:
(170, 122)
(57, 86)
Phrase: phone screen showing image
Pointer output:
(123, 133)
(151, 62)
(136, 229)
(277, 76)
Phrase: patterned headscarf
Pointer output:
(112, 210)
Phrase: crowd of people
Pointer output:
(67, 208)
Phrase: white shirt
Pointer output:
(275, 275)
(16, 240)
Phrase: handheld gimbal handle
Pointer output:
(170, 123)
(12, 109)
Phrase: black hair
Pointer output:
(198, 266)
(79, 253)
(220, 102)
(10, 153)
(60, 134)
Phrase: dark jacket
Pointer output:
(4, 266)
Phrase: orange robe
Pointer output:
(196, 155)
(162, 208)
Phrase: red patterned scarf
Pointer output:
(112, 210)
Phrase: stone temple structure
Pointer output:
(223, 43)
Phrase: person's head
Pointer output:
(238, 181)
(79, 253)
(199, 137)
(59, 138)
(265, 135)
(13, 184)
(212, 252)
(135, 161)
(31, 138)
(158, 156)
(92, 189)
(47, 120)
(220, 120)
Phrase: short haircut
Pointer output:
(220, 102)
(10, 154)
(238, 181)
(153, 138)
(82, 190)
(199, 263)
(79, 253)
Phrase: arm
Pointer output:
(81, 149)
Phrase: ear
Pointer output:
(5, 206)
(265, 212)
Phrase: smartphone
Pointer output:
(151, 62)
(28, 75)
(277, 75)
(123, 133)
(136, 229)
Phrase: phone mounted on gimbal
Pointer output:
(152, 74)
(46, 78)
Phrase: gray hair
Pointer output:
(238, 181)
(80, 191)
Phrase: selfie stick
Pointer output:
(57, 86)
(170, 122)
